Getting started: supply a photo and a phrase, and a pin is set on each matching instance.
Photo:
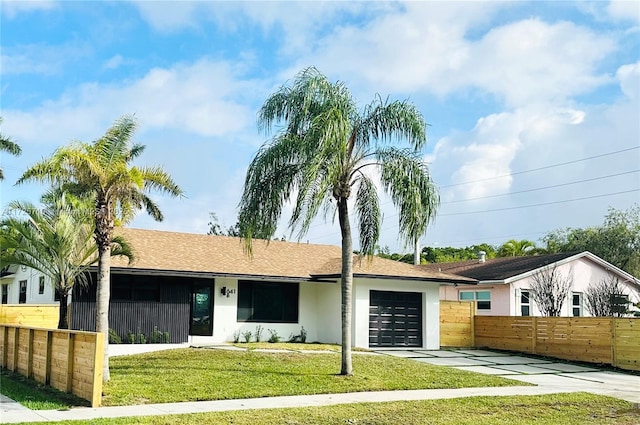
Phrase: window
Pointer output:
(41, 285)
(483, 298)
(135, 288)
(22, 298)
(5, 294)
(56, 295)
(576, 304)
(271, 302)
(525, 303)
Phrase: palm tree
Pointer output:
(9, 146)
(56, 241)
(515, 248)
(102, 171)
(322, 153)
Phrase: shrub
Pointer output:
(259, 330)
(273, 337)
(246, 335)
(236, 337)
(114, 338)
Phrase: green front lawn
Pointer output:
(565, 409)
(204, 374)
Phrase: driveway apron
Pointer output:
(543, 372)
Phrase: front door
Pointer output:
(201, 309)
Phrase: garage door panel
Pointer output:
(395, 319)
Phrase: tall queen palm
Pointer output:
(321, 153)
(103, 172)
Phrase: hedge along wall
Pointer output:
(608, 340)
(456, 323)
(34, 315)
(70, 361)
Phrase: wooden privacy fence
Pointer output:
(70, 361)
(34, 315)
(614, 341)
(456, 323)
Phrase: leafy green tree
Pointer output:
(617, 240)
(515, 248)
(102, 170)
(321, 154)
(9, 146)
(57, 241)
(216, 229)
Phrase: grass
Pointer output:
(205, 374)
(34, 395)
(566, 409)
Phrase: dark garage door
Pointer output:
(395, 319)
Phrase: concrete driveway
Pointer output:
(535, 370)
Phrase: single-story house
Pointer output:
(206, 289)
(504, 283)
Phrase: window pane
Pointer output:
(524, 298)
(484, 305)
(268, 302)
(466, 296)
(483, 295)
(576, 312)
(576, 298)
(524, 310)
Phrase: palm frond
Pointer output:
(368, 214)
(383, 120)
(407, 179)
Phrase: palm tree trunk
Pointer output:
(346, 285)
(416, 252)
(102, 303)
(63, 320)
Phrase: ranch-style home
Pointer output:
(204, 289)
(504, 283)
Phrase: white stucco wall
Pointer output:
(225, 315)
(430, 308)
(319, 312)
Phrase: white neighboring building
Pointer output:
(503, 288)
(22, 285)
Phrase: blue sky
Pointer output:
(506, 86)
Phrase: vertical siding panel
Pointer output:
(171, 314)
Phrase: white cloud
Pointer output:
(629, 76)
(204, 98)
(415, 50)
(114, 62)
(11, 8)
(40, 58)
(624, 10)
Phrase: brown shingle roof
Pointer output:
(497, 268)
(222, 255)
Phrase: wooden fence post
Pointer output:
(614, 363)
(48, 359)
(5, 344)
(16, 343)
(70, 351)
(472, 313)
(534, 334)
(30, 355)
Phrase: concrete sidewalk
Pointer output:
(17, 416)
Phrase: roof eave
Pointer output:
(317, 277)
